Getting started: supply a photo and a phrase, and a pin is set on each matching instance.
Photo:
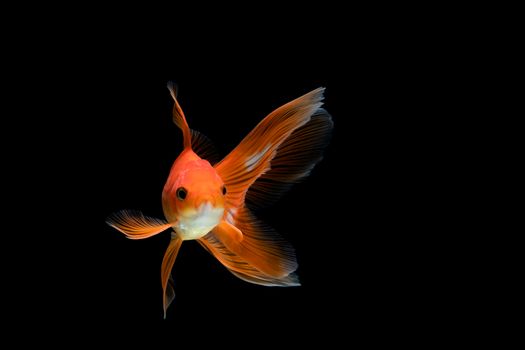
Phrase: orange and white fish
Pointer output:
(207, 203)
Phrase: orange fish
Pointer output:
(210, 202)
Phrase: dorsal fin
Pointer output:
(178, 117)
(204, 147)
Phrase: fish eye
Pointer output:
(223, 190)
(182, 193)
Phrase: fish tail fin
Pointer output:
(294, 160)
(178, 116)
(253, 251)
(168, 292)
(253, 157)
(281, 150)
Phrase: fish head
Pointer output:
(194, 198)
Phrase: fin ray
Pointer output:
(252, 157)
(178, 116)
(263, 247)
(240, 268)
(136, 225)
(168, 293)
(204, 147)
(294, 160)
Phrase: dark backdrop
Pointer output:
(106, 142)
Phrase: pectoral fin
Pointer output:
(265, 255)
(135, 225)
(228, 234)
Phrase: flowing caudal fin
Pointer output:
(294, 160)
(292, 137)
(135, 225)
(242, 269)
(168, 293)
(253, 156)
(260, 245)
(178, 117)
(253, 251)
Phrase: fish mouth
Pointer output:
(196, 223)
(204, 208)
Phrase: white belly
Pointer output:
(194, 224)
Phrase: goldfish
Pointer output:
(213, 203)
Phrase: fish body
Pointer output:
(202, 207)
(210, 203)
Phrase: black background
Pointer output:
(107, 143)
